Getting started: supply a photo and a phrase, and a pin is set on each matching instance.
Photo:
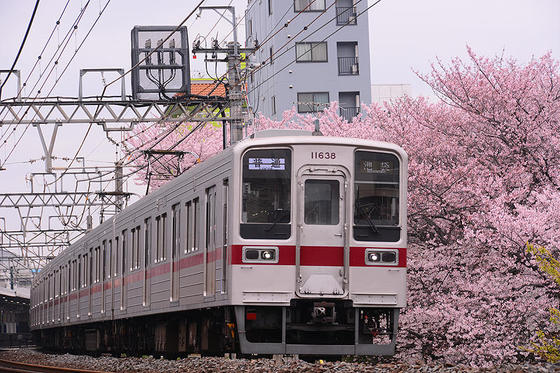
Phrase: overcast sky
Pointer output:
(405, 35)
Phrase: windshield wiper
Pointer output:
(279, 216)
(367, 214)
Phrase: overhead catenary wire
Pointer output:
(327, 37)
(141, 61)
(60, 76)
(277, 53)
(21, 45)
(63, 45)
(148, 55)
(257, 48)
(121, 77)
(273, 33)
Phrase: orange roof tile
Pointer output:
(205, 89)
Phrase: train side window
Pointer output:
(69, 277)
(134, 244)
(196, 214)
(79, 271)
(175, 230)
(123, 252)
(376, 197)
(110, 259)
(54, 295)
(75, 265)
(163, 236)
(60, 269)
(97, 263)
(188, 226)
(147, 240)
(90, 267)
(225, 197)
(104, 260)
(86, 270)
(135, 261)
(158, 238)
(266, 194)
(116, 270)
(137, 249)
(161, 231)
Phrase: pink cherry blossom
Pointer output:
(484, 179)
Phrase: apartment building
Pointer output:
(312, 52)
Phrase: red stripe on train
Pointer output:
(316, 256)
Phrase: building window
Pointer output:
(271, 60)
(269, 7)
(347, 53)
(311, 52)
(309, 5)
(273, 104)
(312, 102)
(346, 13)
(349, 103)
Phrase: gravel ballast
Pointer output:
(220, 364)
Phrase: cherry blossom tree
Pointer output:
(484, 179)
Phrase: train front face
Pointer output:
(319, 246)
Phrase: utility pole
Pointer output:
(235, 95)
(119, 186)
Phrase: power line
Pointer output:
(144, 59)
(160, 45)
(60, 76)
(287, 24)
(299, 33)
(21, 46)
(328, 36)
(64, 45)
(223, 76)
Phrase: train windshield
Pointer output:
(376, 192)
(266, 204)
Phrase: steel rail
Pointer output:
(18, 367)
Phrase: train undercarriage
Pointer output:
(306, 327)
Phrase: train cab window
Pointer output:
(376, 197)
(266, 188)
(322, 202)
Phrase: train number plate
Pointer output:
(323, 155)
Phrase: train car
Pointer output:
(284, 243)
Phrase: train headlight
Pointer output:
(267, 255)
(382, 257)
(374, 257)
(260, 254)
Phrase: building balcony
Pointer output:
(348, 113)
(348, 66)
(346, 15)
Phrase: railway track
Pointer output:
(17, 367)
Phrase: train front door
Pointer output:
(322, 237)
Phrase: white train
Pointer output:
(284, 243)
